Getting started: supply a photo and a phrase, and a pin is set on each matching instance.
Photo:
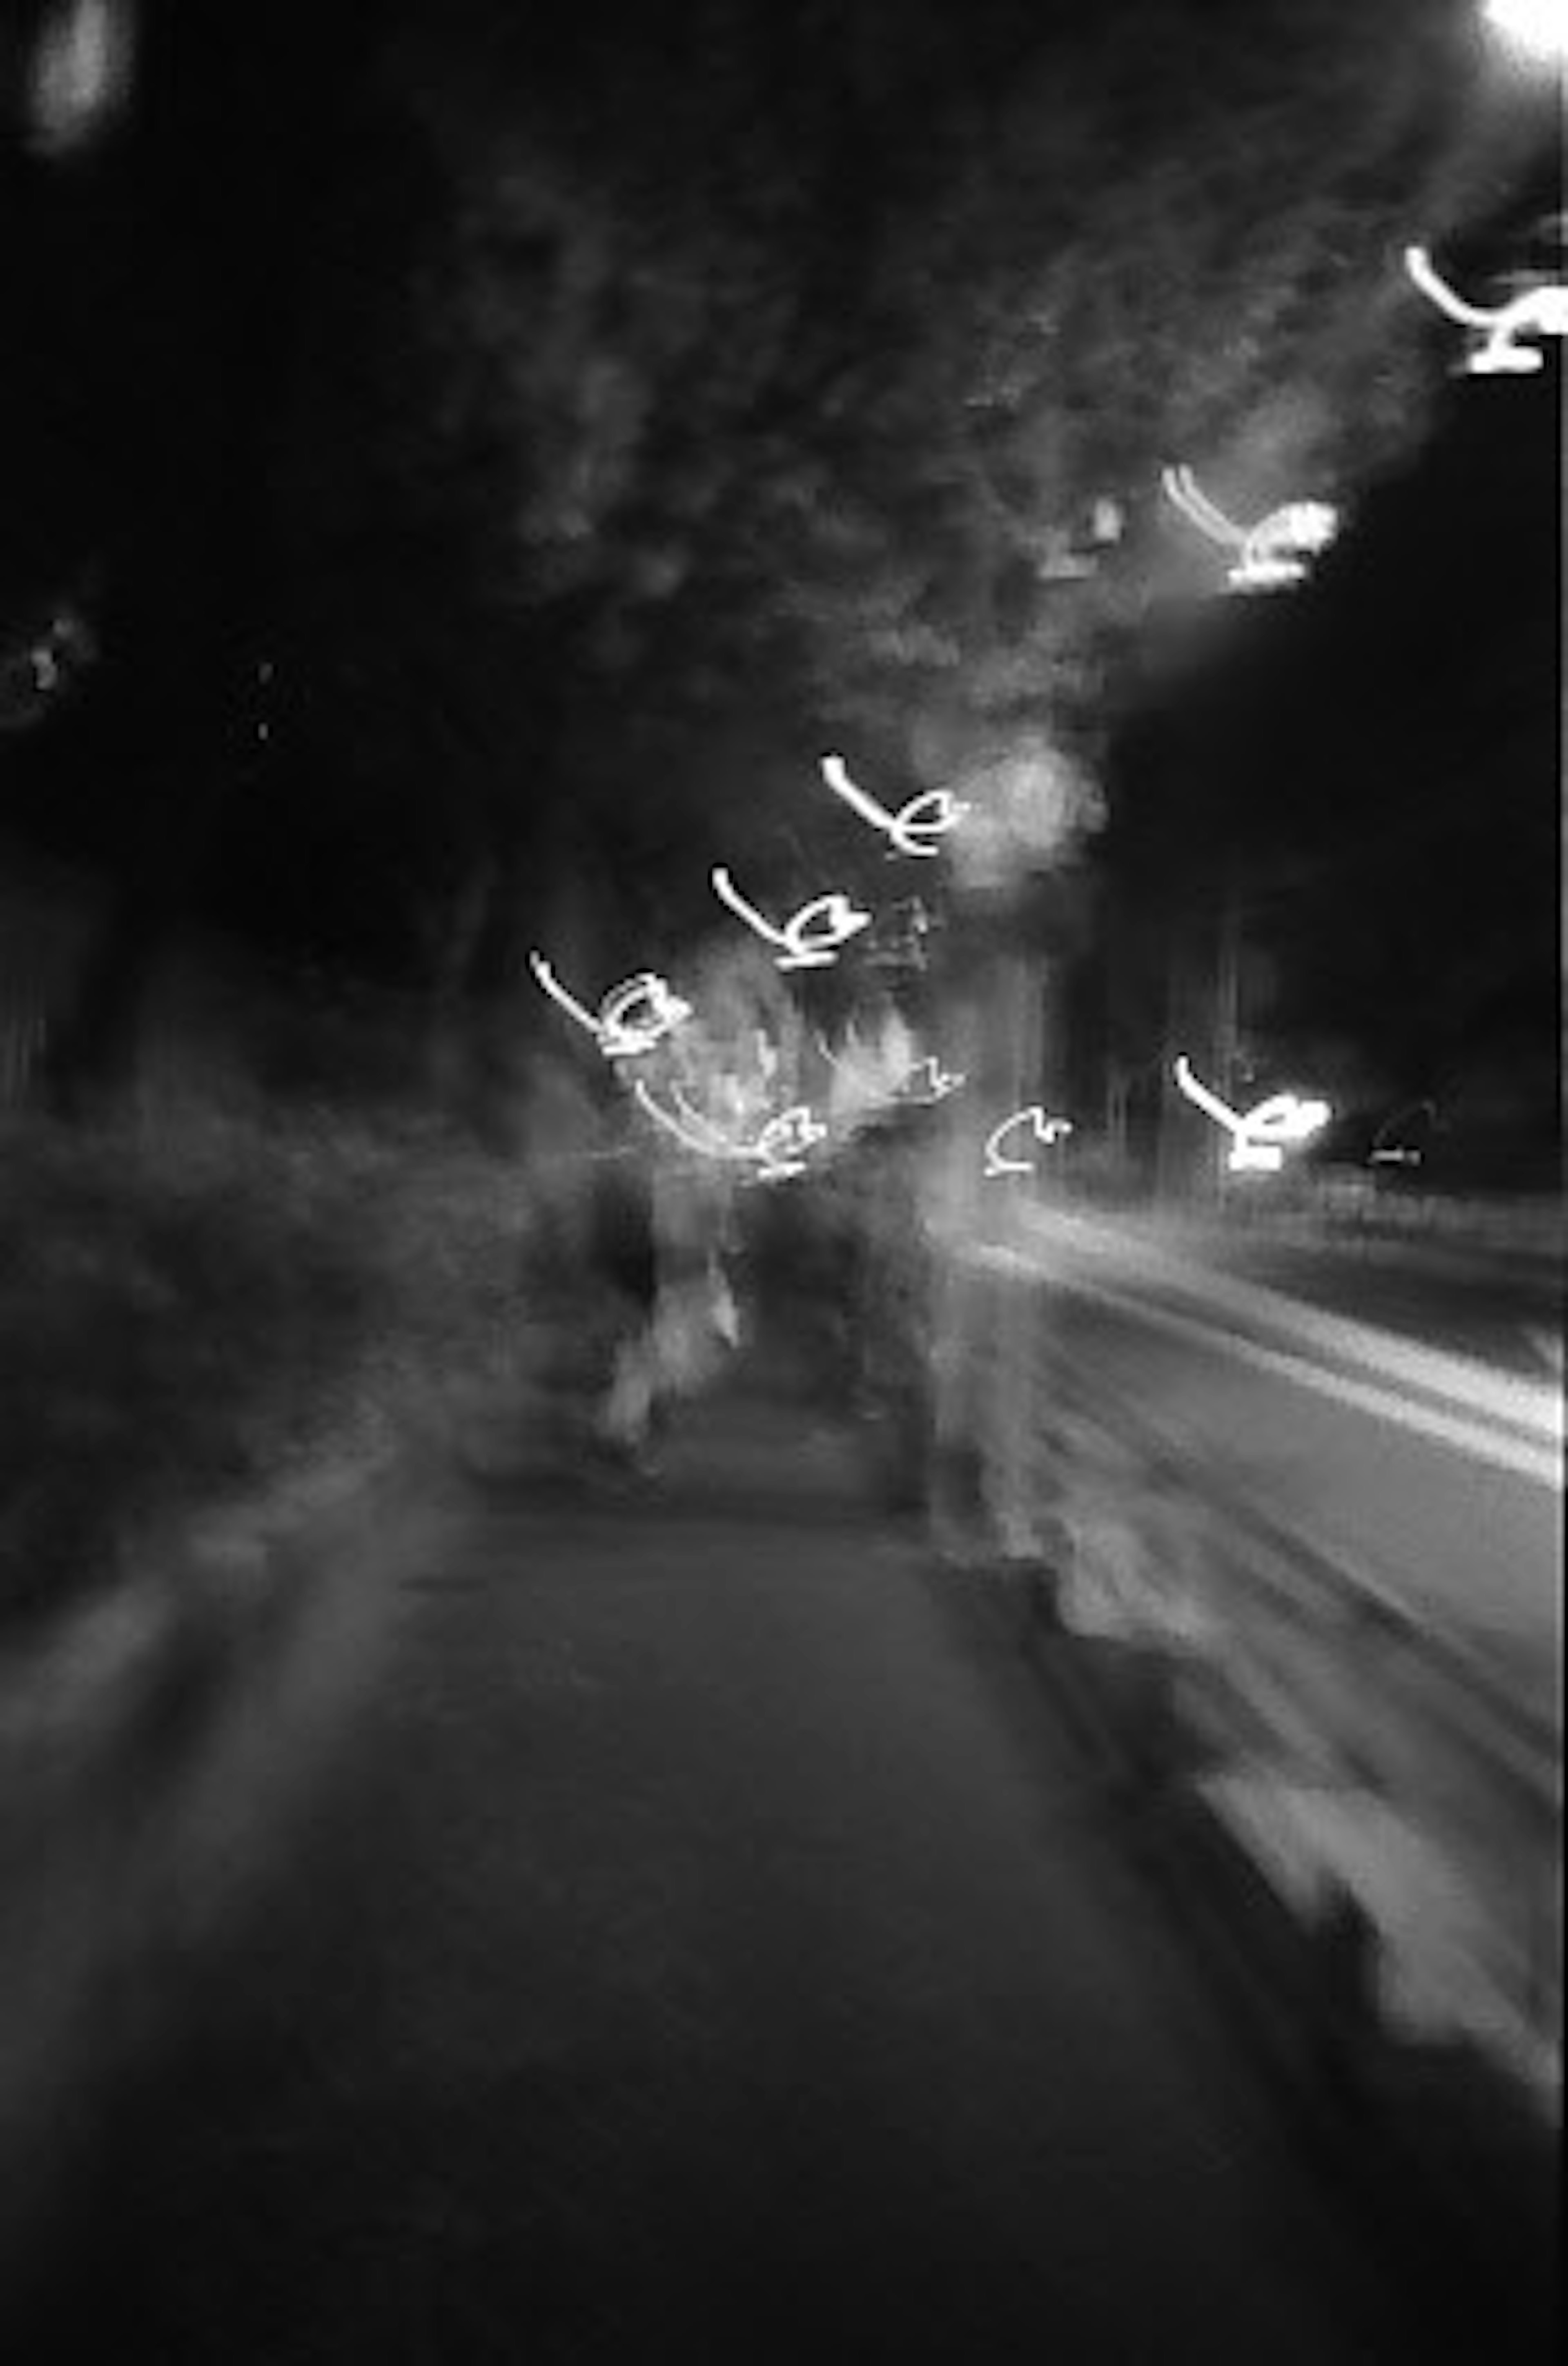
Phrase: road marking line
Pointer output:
(1541, 1465)
(1481, 1389)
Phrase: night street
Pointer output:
(781, 1229)
(707, 1943)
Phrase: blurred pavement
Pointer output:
(704, 1941)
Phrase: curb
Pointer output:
(157, 1819)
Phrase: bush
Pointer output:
(184, 1315)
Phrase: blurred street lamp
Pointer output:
(1277, 551)
(79, 74)
(1535, 312)
(1536, 27)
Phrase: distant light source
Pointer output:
(1275, 552)
(810, 939)
(1536, 312)
(913, 828)
(80, 74)
(1033, 1121)
(775, 1154)
(632, 1018)
(1260, 1135)
(1540, 28)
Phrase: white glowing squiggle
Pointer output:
(1260, 1135)
(938, 1081)
(1384, 1153)
(1277, 551)
(810, 939)
(1045, 1131)
(924, 1082)
(776, 1154)
(1538, 26)
(780, 1147)
(80, 73)
(912, 828)
(616, 1027)
(1538, 313)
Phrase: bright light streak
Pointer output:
(1201, 1097)
(780, 1147)
(777, 1152)
(662, 1011)
(810, 939)
(1537, 312)
(1045, 1131)
(1393, 1153)
(80, 73)
(938, 1082)
(617, 1028)
(931, 815)
(1255, 1157)
(1540, 28)
(1284, 1117)
(1270, 555)
(1260, 1135)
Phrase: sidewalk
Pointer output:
(716, 1946)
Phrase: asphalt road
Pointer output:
(1501, 1313)
(1434, 1478)
(700, 1942)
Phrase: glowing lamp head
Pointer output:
(1537, 29)
(1277, 552)
(638, 1014)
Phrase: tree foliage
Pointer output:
(800, 355)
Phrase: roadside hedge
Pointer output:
(186, 1312)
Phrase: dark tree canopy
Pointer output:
(583, 417)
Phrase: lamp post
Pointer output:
(1027, 803)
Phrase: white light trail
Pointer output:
(938, 1082)
(1260, 1135)
(776, 1154)
(616, 1027)
(1537, 312)
(810, 939)
(1385, 1153)
(1539, 28)
(80, 73)
(1275, 552)
(780, 1147)
(911, 831)
(1045, 1131)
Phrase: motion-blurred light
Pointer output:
(1535, 312)
(1273, 554)
(775, 1154)
(1031, 802)
(810, 939)
(80, 74)
(1046, 1131)
(928, 1082)
(1260, 1135)
(914, 827)
(632, 1018)
(1539, 28)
